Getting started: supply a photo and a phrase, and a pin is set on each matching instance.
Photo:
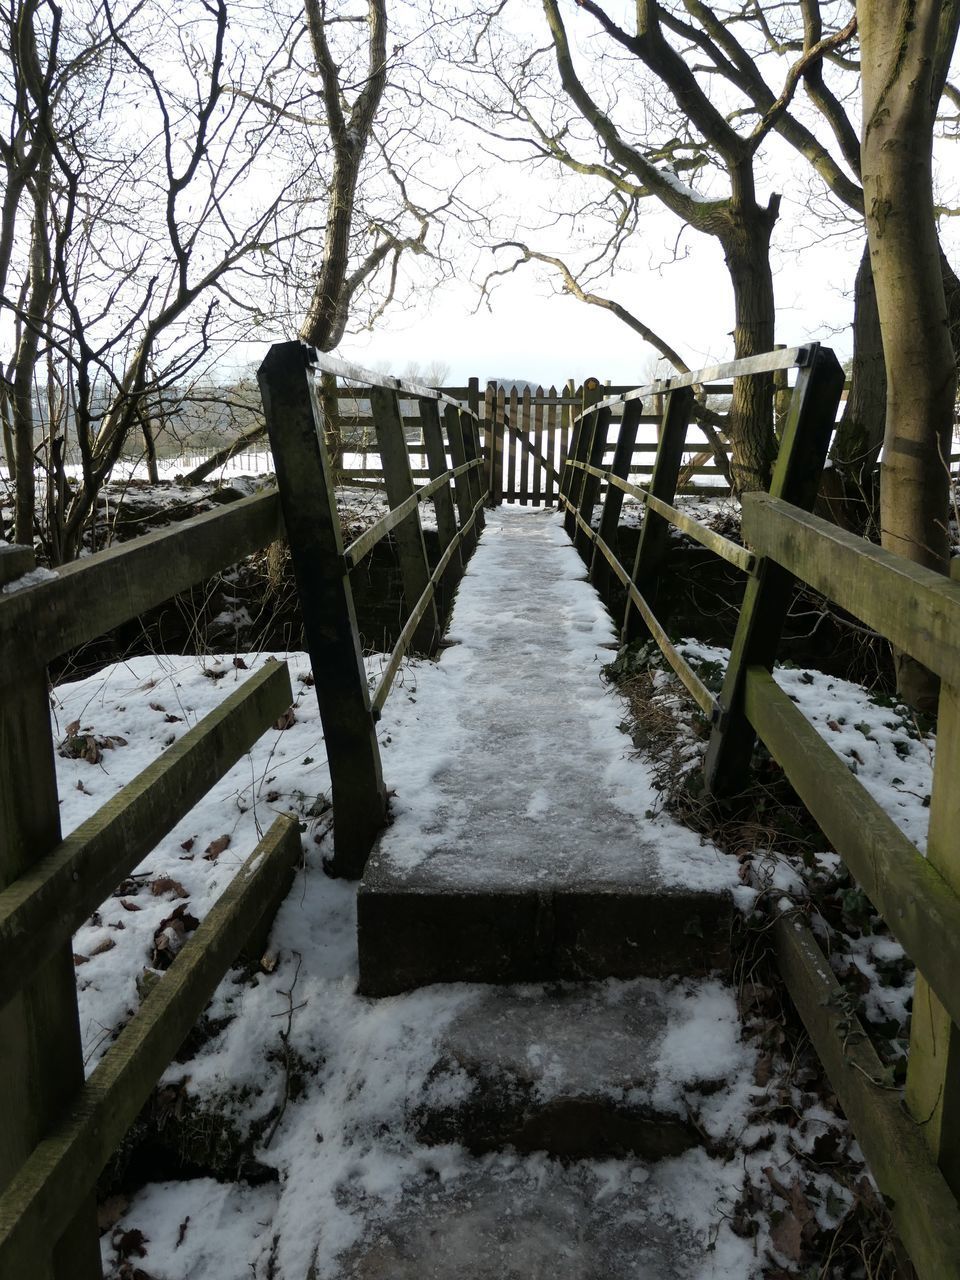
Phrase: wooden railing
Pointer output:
(914, 1155)
(296, 423)
(59, 1130)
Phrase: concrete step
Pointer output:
(590, 1112)
(416, 928)
(582, 1070)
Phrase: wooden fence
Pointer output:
(60, 1130)
(913, 1153)
(297, 424)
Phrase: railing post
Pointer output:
(655, 530)
(470, 435)
(933, 1066)
(613, 503)
(796, 479)
(408, 535)
(41, 1055)
(590, 490)
(437, 464)
(581, 450)
(305, 479)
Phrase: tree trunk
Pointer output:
(747, 254)
(904, 54)
(851, 498)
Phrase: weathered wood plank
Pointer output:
(613, 499)
(378, 531)
(60, 1172)
(497, 469)
(539, 445)
(933, 1066)
(766, 362)
(41, 1057)
(326, 602)
(663, 485)
(917, 609)
(411, 551)
(556, 465)
(590, 490)
(42, 908)
(796, 478)
(440, 471)
(468, 483)
(923, 1209)
(526, 446)
(89, 597)
(919, 906)
(470, 435)
(716, 542)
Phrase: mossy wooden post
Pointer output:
(796, 479)
(933, 1067)
(467, 486)
(581, 451)
(613, 503)
(408, 535)
(41, 1058)
(470, 436)
(305, 479)
(442, 499)
(590, 491)
(655, 530)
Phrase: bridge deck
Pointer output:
(525, 844)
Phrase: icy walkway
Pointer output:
(525, 844)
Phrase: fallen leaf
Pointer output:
(130, 1243)
(73, 728)
(106, 945)
(157, 706)
(287, 720)
(241, 666)
(78, 960)
(188, 844)
(165, 884)
(216, 847)
(128, 906)
(832, 724)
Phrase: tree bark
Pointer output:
(747, 252)
(904, 55)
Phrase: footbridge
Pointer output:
(517, 843)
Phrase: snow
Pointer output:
(517, 732)
(31, 579)
(351, 1169)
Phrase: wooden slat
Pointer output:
(922, 1207)
(526, 449)
(468, 483)
(90, 597)
(796, 478)
(652, 544)
(552, 475)
(378, 531)
(933, 1066)
(443, 475)
(590, 492)
(917, 609)
(539, 448)
(767, 362)
(411, 551)
(41, 1055)
(920, 908)
(716, 542)
(512, 446)
(45, 906)
(613, 498)
(60, 1171)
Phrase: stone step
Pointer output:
(583, 1070)
(414, 930)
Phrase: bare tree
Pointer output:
(905, 57)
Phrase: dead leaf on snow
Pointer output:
(106, 945)
(216, 847)
(166, 884)
(287, 720)
(111, 1211)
